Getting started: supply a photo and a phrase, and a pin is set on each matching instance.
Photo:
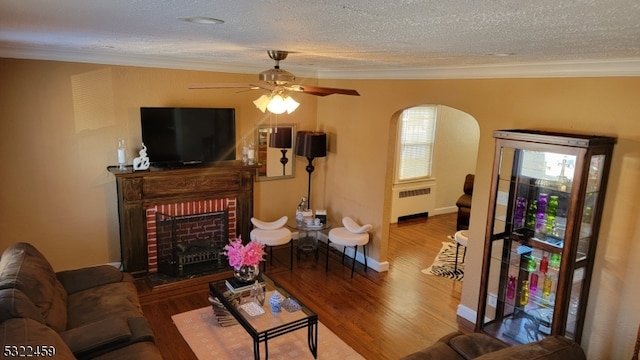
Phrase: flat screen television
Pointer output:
(176, 136)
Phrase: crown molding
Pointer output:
(150, 61)
(584, 68)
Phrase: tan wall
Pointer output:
(455, 154)
(54, 161)
(605, 106)
(60, 123)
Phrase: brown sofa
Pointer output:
(458, 346)
(464, 203)
(88, 313)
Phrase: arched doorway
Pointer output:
(455, 152)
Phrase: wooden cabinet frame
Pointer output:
(510, 245)
(141, 189)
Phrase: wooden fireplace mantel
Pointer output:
(138, 190)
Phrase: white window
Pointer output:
(416, 132)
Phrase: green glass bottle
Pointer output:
(552, 209)
(532, 264)
(531, 214)
(554, 262)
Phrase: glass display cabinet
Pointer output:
(547, 192)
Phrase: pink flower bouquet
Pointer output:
(241, 255)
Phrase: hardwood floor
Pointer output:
(381, 315)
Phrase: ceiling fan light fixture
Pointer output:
(262, 102)
(277, 105)
(290, 104)
(276, 77)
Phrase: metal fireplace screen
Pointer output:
(190, 244)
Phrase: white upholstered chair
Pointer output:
(351, 235)
(270, 234)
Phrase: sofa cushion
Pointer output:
(111, 300)
(28, 332)
(107, 335)
(88, 277)
(549, 348)
(98, 336)
(15, 304)
(137, 351)
(24, 268)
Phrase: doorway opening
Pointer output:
(453, 155)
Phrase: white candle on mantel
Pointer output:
(121, 157)
(251, 154)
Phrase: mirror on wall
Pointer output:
(274, 151)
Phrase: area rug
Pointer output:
(445, 261)
(209, 340)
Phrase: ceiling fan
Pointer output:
(278, 81)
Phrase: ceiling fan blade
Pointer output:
(323, 91)
(253, 86)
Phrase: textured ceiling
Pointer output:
(359, 38)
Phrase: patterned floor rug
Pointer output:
(209, 340)
(444, 263)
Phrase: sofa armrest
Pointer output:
(89, 277)
(95, 337)
(15, 304)
(467, 188)
(17, 332)
(440, 350)
(550, 348)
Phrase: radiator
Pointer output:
(413, 198)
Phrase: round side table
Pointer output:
(308, 237)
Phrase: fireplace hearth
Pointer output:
(190, 244)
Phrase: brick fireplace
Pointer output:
(193, 222)
(227, 186)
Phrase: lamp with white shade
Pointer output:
(276, 103)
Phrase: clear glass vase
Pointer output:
(246, 273)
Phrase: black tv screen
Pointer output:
(181, 136)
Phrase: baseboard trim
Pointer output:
(371, 263)
(467, 314)
(445, 210)
(117, 265)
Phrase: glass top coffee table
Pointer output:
(267, 325)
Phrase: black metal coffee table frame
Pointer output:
(310, 322)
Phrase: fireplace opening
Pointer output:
(190, 244)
